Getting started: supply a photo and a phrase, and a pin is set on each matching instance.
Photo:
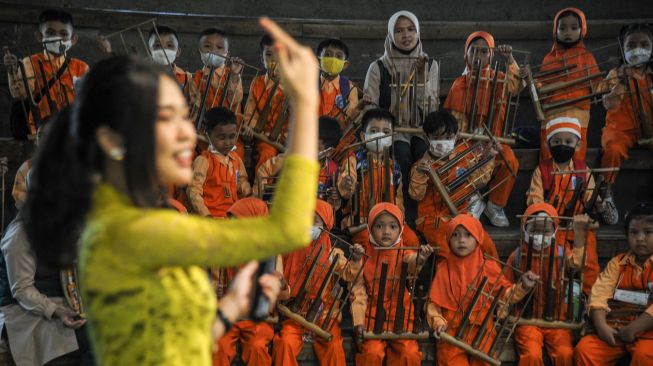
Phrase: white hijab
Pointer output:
(393, 59)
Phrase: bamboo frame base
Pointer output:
(395, 336)
(283, 310)
(445, 337)
(556, 324)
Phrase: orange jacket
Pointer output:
(333, 103)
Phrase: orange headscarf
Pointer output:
(541, 207)
(248, 207)
(579, 13)
(325, 211)
(380, 208)
(487, 37)
(455, 274)
(294, 268)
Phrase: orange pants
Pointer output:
(583, 116)
(615, 144)
(400, 352)
(265, 153)
(591, 350)
(502, 181)
(438, 239)
(254, 338)
(289, 342)
(591, 271)
(530, 341)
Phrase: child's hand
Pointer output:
(529, 279)
(348, 183)
(627, 334)
(425, 251)
(237, 65)
(438, 324)
(333, 197)
(247, 133)
(103, 44)
(492, 148)
(606, 333)
(505, 50)
(358, 337)
(523, 73)
(357, 252)
(298, 65)
(364, 102)
(10, 60)
(581, 222)
(424, 165)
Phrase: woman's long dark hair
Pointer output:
(120, 93)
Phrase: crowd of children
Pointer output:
(402, 197)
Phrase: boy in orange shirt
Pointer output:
(338, 95)
(219, 175)
(226, 88)
(441, 129)
(266, 97)
(52, 76)
(459, 102)
(621, 307)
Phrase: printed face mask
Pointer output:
(164, 56)
(55, 47)
(637, 55)
(440, 148)
(377, 145)
(211, 59)
(540, 241)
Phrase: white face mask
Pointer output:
(377, 145)
(540, 241)
(55, 47)
(440, 148)
(211, 59)
(164, 56)
(637, 55)
(315, 232)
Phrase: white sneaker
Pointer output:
(476, 206)
(496, 215)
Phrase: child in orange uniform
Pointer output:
(52, 75)
(254, 338)
(338, 95)
(266, 88)
(459, 102)
(226, 89)
(441, 128)
(289, 342)
(624, 121)
(386, 225)
(453, 277)
(569, 30)
(540, 222)
(624, 287)
(219, 176)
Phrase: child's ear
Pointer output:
(178, 51)
(38, 35)
(346, 65)
(362, 135)
(74, 38)
(579, 145)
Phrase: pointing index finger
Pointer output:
(277, 33)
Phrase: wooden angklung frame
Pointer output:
(484, 334)
(322, 291)
(394, 292)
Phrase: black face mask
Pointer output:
(562, 153)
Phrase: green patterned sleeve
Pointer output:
(156, 238)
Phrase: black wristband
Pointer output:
(227, 324)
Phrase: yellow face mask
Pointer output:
(332, 65)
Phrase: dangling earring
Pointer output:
(117, 153)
